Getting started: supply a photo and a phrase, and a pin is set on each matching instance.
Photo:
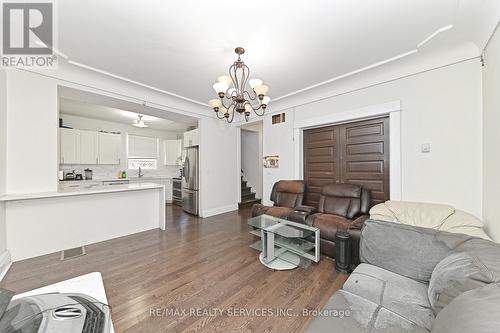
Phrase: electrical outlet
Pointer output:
(426, 148)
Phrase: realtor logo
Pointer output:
(28, 35)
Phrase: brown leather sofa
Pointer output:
(341, 207)
(286, 195)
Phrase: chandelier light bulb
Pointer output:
(220, 87)
(248, 108)
(214, 103)
(265, 100)
(261, 89)
(255, 82)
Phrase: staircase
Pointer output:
(247, 196)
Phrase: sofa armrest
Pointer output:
(359, 222)
(300, 213)
(259, 209)
(306, 209)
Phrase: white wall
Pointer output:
(251, 161)
(112, 171)
(4, 255)
(3, 130)
(441, 107)
(278, 140)
(218, 167)
(31, 133)
(491, 122)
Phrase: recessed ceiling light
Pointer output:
(139, 122)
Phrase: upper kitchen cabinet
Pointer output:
(69, 146)
(89, 147)
(109, 148)
(191, 138)
(172, 152)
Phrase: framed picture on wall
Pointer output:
(271, 161)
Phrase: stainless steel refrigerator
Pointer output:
(190, 181)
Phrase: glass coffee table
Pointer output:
(284, 244)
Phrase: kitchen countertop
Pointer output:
(94, 180)
(81, 191)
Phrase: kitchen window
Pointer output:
(143, 163)
(142, 151)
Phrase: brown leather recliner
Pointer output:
(341, 207)
(286, 195)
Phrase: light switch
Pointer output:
(426, 148)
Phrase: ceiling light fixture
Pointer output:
(238, 97)
(139, 122)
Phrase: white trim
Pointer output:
(359, 70)
(393, 109)
(298, 148)
(5, 263)
(238, 162)
(100, 71)
(219, 210)
(395, 183)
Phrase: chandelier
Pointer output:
(234, 95)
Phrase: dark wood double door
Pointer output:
(356, 153)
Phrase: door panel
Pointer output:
(365, 156)
(356, 153)
(321, 165)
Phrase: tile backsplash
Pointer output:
(111, 171)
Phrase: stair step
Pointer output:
(246, 190)
(248, 196)
(248, 203)
(243, 183)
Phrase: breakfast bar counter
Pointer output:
(43, 223)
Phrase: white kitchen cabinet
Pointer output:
(109, 148)
(89, 147)
(69, 146)
(191, 138)
(172, 152)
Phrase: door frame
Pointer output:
(391, 109)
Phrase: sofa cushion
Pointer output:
(429, 215)
(472, 264)
(406, 250)
(291, 186)
(278, 211)
(328, 224)
(346, 200)
(356, 318)
(404, 297)
(361, 316)
(475, 311)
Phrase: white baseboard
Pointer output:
(5, 263)
(219, 210)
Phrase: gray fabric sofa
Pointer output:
(414, 279)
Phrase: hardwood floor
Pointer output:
(199, 264)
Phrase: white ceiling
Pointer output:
(182, 46)
(89, 105)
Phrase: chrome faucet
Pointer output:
(140, 174)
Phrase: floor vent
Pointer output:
(73, 253)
